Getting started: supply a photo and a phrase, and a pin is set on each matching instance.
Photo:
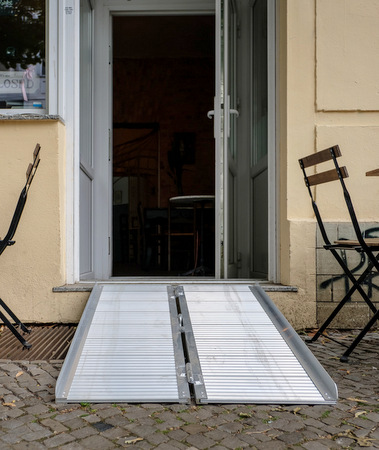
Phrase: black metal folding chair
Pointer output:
(365, 246)
(8, 240)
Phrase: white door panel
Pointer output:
(86, 152)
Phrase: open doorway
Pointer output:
(163, 144)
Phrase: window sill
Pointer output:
(30, 116)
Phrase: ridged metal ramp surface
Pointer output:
(208, 343)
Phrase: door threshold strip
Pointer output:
(208, 343)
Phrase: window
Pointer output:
(22, 54)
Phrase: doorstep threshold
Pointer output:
(87, 286)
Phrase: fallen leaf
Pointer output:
(359, 413)
(296, 410)
(357, 400)
(133, 441)
(258, 432)
(245, 415)
(18, 374)
(9, 404)
(364, 442)
(361, 441)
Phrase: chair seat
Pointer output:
(370, 242)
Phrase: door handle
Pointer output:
(210, 114)
(234, 111)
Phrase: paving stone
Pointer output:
(11, 424)
(166, 446)
(199, 441)
(188, 417)
(75, 424)
(28, 446)
(37, 435)
(55, 426)
(15, 435)
(317, 445)
(194, 429)
(233, 443)
(142, 431)
(291, 438)
(14, 412)
(157, 438)
(90, 418)
(65, 416)
(71, 446)
(344, 442)
(109, 412)
(96, 443)
(114, 433)
(249, 438)
(178, 445)
(134, 412)
(170, 423)
(203, 414)
(214, 421)
(217, 434)
(178, 435)
(59, 440)
(37, 409)
(84, 432)
(233, 427)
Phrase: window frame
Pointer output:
(52, 22)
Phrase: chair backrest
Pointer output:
(335, 174)
(21, 200)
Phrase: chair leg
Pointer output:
(18, 322)
(357, 282)
(356, 286)
(357, 340)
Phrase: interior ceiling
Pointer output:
(163, 36)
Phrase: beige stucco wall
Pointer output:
(329, 94)
(36, 263)
(328, 88)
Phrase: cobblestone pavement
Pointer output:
(30, 419)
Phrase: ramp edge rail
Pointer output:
(318, 375)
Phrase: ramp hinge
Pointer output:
(189, 373)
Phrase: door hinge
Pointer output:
(109, 144)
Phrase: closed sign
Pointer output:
(13, 82)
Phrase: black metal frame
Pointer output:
(360, 245)
(7, 241)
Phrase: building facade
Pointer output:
(138, 102)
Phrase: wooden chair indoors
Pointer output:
(8, 240)
(367, 247)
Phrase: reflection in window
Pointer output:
(22, 54)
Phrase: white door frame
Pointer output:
(103, 11)
(273, 198)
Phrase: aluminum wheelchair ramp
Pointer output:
(208, 343)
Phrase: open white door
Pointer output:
(245, 146)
